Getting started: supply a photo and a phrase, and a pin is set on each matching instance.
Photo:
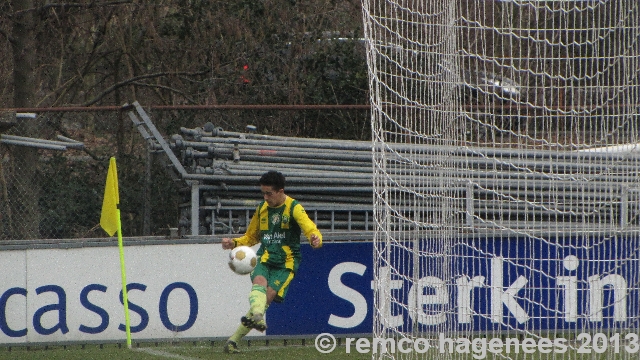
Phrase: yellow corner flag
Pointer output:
(109, 217)
(110, 222)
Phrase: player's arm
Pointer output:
(250, 237)
(309, 229)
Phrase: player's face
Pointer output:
(274, 198)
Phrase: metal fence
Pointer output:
(52, 187)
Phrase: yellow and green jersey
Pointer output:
(278, 232)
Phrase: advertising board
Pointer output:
(184, 291)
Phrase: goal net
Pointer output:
(506, 176)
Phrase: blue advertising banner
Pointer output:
(538, 284)
(477, 285)
(187, 291)
(331, 292)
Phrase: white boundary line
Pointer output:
(164, 354)
(244, 349)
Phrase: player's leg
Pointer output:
(257, 302)
(278, 284)
(271, 295)
(258, 298)
(269, 284)
(231, 346)
(247, 323)
(257, 320)
(258, 295)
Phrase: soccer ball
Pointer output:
(242, 260)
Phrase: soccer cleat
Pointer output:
(258, 322)
(230, 347)
(246, 321)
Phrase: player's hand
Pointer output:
(315, 241)
(227, 243)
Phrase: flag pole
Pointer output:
(110, 222)
(125, 298)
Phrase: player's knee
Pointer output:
(259, 280)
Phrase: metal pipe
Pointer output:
(277, 151)
(276, 144)
(427, 149)
(66, 139)
(551, 171)
(33, 144)
(245, 165)
(291, 160)
(213, 200)
(146, 121)
(536, 164)
(231, 188)
(246, 160)
(257, 172)
(344, 145)
(213, 131)
(74, 145)
(294, 180)
(456, 176)
(457, 180)
(309, 206)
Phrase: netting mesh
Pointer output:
(506, 165)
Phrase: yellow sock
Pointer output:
(240, 333)
(258, 299)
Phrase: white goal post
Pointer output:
(506, 152)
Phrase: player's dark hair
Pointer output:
(273, 178)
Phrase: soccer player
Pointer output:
(276, 225)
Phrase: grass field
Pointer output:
(180, 351)
(275, 349)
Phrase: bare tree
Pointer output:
(91, 53)
(25, 205)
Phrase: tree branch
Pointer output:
(56, 125)
(69, 6)
(134, 79)
(8, 36)
(165, 88)
(64, 87)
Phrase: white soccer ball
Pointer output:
(242, 260)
